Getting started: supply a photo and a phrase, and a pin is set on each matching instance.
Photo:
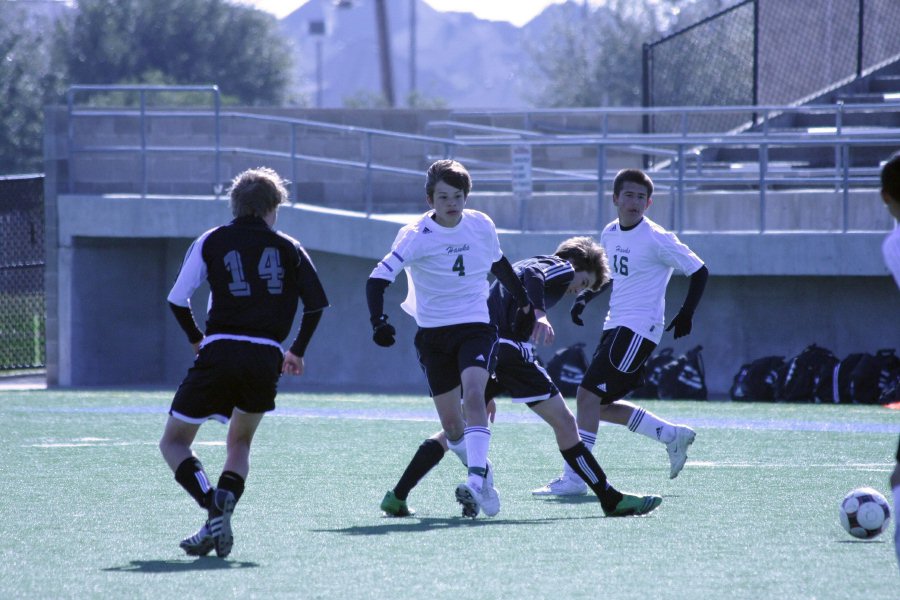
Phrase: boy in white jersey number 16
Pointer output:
(447, 254)
(643, 255)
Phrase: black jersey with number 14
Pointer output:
(256, 276)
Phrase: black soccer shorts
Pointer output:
(445, 352)
(225, 375)
(520, 375)
(617, 366)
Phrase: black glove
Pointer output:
(683, 322)
(577, 309)
(523, 324)
(383, 332)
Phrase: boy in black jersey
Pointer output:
(256, 277)
(579, 263)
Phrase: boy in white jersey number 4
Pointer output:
(644, 255)
(579, 263)
(890, 193)
(447, 254)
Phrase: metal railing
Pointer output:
(142, 115)
(682, 161)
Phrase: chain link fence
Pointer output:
(765, 52)
(22, 314)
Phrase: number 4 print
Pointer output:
(269, 269)
(459, 266)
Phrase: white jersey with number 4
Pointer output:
(642, 260)
(446, 268)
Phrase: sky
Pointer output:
(517, 12)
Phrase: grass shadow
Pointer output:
(203, 563)
(424, 524)
(584, 499)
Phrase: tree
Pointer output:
(592, 55)
(28, 81)
(181, 42)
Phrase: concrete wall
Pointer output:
(768, 294)
(111, 260)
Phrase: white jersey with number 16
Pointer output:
(643, 259)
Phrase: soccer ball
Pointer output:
(865, 513)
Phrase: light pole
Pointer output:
(317, 32)
(384, 52)
(412, 51)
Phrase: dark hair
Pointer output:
(256, 192)
(634, 176)
(890, 177)
(586, 254)
(450, 172)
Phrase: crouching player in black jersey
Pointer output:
(256, 277)
(579, 263)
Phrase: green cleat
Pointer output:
(395, 507)
(632, 505)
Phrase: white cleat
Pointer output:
(470, 498)
(677, 449)
(490, 501)
(563, 486)
(490, 497)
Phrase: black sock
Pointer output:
(583, 462)
(234, 483)
(428, 455)
(229, 481)
(191, 476)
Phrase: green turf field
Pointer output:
(89, 509)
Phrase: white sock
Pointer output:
(646, 423)
(459, 449)
(478, 440)
(588, 439)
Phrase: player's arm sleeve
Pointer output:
(586, 296)
(191, 275)
(891, 251)
(375, 296)
(403, 251)
(695, 290)
(312, 294)
(505, 274)
(308, 325)
(533, 281)
(185, 319)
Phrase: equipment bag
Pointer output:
(805, 372)
(871, 375)
(567, 367)
(840, 380)
(891, 392)
(685, 378)
(758, 380)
